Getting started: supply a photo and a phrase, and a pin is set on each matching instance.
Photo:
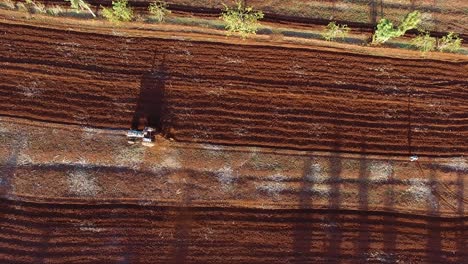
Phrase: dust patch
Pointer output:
(419, 191)
(90, 227)
(89, 132)
(317, 173)
(131, 156)
(380, 171)
(82, 183)
(169, 161)
(322, 190)
(226, 176)
(457, 163)
(382, 257)
(274, 186)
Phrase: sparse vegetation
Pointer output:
(55, 10)
(386, 30)
(80, 5)
(120, 12)
(450, 43)
(334, 31)
(34, 7)
(424, 42)
(317, 174)
(419, 191)
(8, 4)
(158, 10)
(380, 171)
(82, 183)
(240, 19)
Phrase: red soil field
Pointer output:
(250, 94)
(128, 233)
(364, 106)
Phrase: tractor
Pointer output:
(147, 136)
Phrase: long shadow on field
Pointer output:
(461, 233)
(390, 220)
(8, 170)
(183, 225)
(150, 105)
(335, 235)
(434, 241)
(364, 233)
(303, 230)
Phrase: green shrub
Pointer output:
(424, 42)
(411, 21)
(385, 29)
(450, 43)
(55, 10)
(334, 31)
(120, 12)
(80, 5)
(158, 10)
(240, 19)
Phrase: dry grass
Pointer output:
(226, 176)
(419, 191)
(380, 171)
(130, 156)
(169, 160)
(458, 164)
(274, 186)
(55, 10)
(317, 173)
(82, 183)
(7, 4)
(322, 190)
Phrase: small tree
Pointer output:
(80, 5)
(450, 43)
(158, 10)
(424, 42)
(240, 19)
(334, 31)
(385, 29)
(411, 21)
(120, 12)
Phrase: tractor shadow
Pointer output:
(150, 106)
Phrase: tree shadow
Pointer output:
(364, 233)
(8, 170)
(303, 229)
(461, 234)
(373, 12)
(434, 241)
(390, 220)
(151, 101)
(183, 226)
(333, 251)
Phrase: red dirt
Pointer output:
(278, 95)
(301, 98)
(126, 233)
(183, 213)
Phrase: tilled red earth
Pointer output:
(127, 233)
(257, 94)
(250, 94)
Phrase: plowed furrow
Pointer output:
(302, 98)
(56, 233)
